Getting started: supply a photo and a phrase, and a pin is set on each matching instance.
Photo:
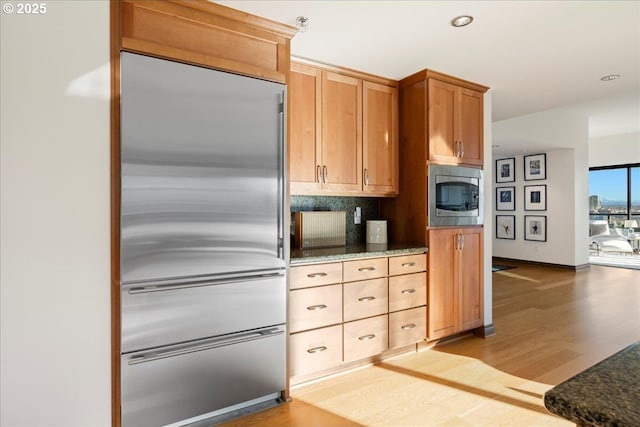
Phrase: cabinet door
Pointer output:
(443, 291)
(470, 280)
(469, 126)
(380, 139)
(341, 132)
(442, 133)
(305, 108)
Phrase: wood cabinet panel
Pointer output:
(367, 337)
(312, 308)
(315, 350)
(443, 289)
(305, 276)
(407, 327)
(305, 128)
(455, 124)
(380, 138)
(407, 291)
(207, 34)
(365, 299)
(341, 132)
(455, 295)
(471, 295)
(364, 269)
(407, 264)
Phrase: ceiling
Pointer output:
(534, 55)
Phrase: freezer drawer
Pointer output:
(156, 315)
(175, 383)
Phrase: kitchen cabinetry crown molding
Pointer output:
(203, 33)
(346, 71)
(431, 74)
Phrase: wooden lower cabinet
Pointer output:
(349, 311)
(455, 296)
(315, 350)
(407, 327)
(366, 337)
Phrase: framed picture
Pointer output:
(506, 227)
(505, 198)
(505, 170)
(535, 228)
(535, 167)
(535, 197)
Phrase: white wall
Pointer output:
(488, 223)
(55, 266)
(614, 150)
(567, 189)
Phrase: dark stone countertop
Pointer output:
(607, 394)
(304, 256)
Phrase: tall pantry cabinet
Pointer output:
(441, 122)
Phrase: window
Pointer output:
(614, 193)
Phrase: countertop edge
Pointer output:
(315, 256)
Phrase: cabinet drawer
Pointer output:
(407, 264)
(315, 350)
(407, 327)
(407, 291)
(365, 269)
(305, 276)
(365, 299)
(315, 307)
(364, 338)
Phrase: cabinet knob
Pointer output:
(318, 175)
(325, 173)
(366, 176)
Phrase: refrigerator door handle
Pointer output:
(281, 175)
(159, 287)
(205, 345)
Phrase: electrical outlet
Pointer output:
(357, 216)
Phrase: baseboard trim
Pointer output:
(485, 331)
(576, 268)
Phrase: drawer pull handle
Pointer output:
(367, 269)
(366, 299)
(409, 326)
(366, 337)
(316, 349)
(408, 291)
(314, 275)
(316, 307)
(408, 264)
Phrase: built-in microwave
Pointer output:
(455, 196)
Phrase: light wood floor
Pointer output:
(550, 325)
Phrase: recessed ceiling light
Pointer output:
(495, 146)
(610, 77)
(462, 20)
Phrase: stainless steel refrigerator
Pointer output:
(203, 289)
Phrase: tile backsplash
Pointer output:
(356, 233)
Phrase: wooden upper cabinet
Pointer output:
(305, 128)
(204, 33)
(341, 132)
(380, 139)
(455, 124)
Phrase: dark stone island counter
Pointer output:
(303, 256)
(607, 394)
